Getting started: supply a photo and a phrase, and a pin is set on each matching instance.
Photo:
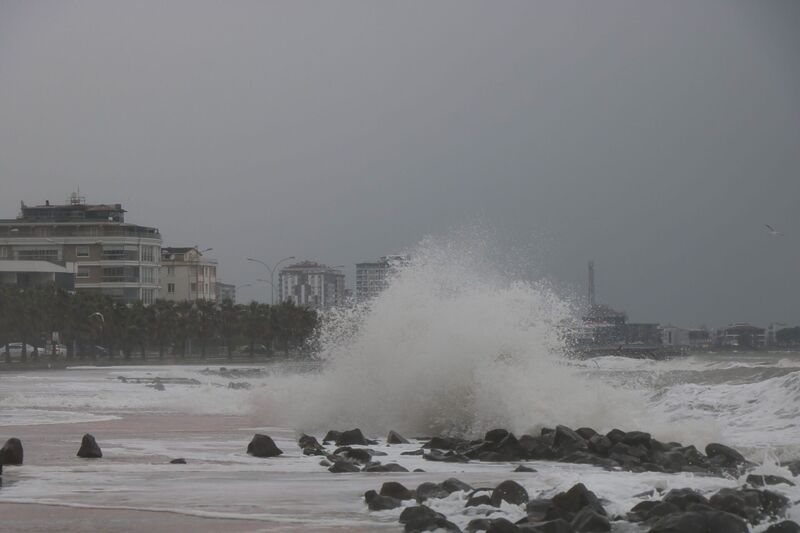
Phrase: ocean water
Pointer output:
(454, 345)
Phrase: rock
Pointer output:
(725, 523)
(478, 524)
(683, 497)
(452, 484)
(89, 448)
(567, 440)
(178, 461)
(331, 436)
(731, 456)
(159, 386)
(495, 435)
(389, 467)
(681, 523)
(263, 446)
(430, 490)
(359, 455)
(418, 512)
(325, 463)
(509, 491)
(787, 526)
(377, 502)
(615, 435)
(501, 525)
(395, 438)
(415, 452)
(523, 468)
(447, 457)
(600, 444)
(759, 480)
(538, 447)
(586, 433)
(396, 490)
(474, 501)
(308, 441)
(552, 526)
(445, 443)
(352, 437)
(11, 453)
(343, 466)
(636, 438)
(661, 509)
(537, 509)
(793, 466)
(589, 520)
(432, 524)
(576, 498)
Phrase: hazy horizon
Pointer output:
(656, 139)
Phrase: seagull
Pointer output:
(773, 231)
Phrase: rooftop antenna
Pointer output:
(591, 284)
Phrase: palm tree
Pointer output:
(207, 323)
(229, 324)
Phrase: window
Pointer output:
(82, 251)
(171, 288)
(148, 254)
(193, 287)
(83, 272)
(38, 255)
(148, 296)
(170, 271)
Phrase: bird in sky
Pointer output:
(773, 231)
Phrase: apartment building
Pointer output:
(372, 277)
(187, 275)
(312, 285)
(111, 256)
(226, 291)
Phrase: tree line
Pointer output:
(95, 325)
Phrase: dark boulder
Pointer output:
(359, 455)
(395, 438)
(683, 497)
(377, 502)
(760, 480)
(787, 526)
(453, 484)
(538, 509)
(523, 468)
(178, 461)
(586, 433)
(661, 509)
(474, 501)
(418, 512)
(11, 453)
(538, 447)
(577, 498)
(89, 448)
(511, 492)
(388, 467)
(566, 439)
(502, 525)
(615, 435)
(431, 524)
(331, 436)
(396, 490)
(352, 437)
(343, 466)
(725, 523)
(551, 526)
(446, 457)
(430, 490)
(308, 441)
(495, 435)
(600, 444)
(731, 457)
(589, 520)
(478, 524)
(636, 438)
(445, 443)
(681, 523)
(263, 446)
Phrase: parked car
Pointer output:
(13, 351)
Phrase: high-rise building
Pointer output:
(111, 256)
(372, 277)
(187, 275)
(226, 291)
(312, 285)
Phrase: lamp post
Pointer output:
(271, 271)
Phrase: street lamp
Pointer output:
(271, 271)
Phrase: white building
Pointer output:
(26, 274)
(372, 278)
(111, 256)
(312, 285)
(675, 336)
(187, 275)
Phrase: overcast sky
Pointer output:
(656, 138)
